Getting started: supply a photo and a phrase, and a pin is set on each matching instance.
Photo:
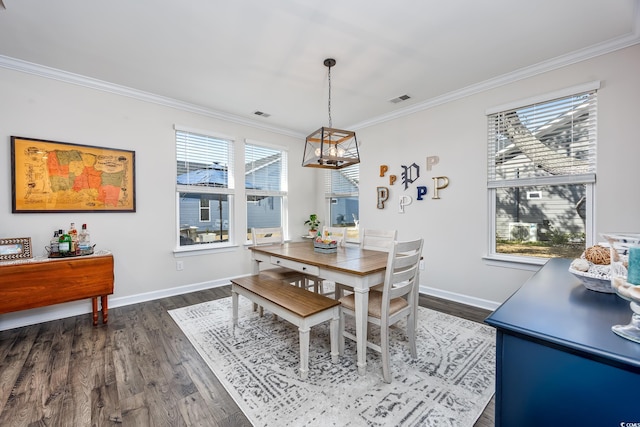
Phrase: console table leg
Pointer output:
(94, 305)
(105, 309)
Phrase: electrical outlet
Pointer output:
(421, 264)
(179, 265)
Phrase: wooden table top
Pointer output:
(349, 259)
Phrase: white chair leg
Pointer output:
(338, 291)
(384, 345)
(341, 333)
(411, 333)
(234, 304)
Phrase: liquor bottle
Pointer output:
(73, 233)
(64, 244)
(54, 250)
(84, 240)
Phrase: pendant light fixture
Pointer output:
(331, 148)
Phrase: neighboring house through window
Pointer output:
(204, 188)
(342, 196)
(266, 186)
(541, 175)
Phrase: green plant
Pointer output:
(313, 222)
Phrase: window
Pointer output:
(204, 188)
(342, 195)
(541, 173)
(265, 186)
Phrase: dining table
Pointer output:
(360, 269)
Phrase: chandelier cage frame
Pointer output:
(329, 147)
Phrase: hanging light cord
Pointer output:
(329, 103)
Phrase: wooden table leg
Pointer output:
(94, 306)
(105, 309)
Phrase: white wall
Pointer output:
(454, 227)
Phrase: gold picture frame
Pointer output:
(15, 248)
(51, 176)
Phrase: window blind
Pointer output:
(544, 143)
(203, 161)
(343, 182)
(265, 170)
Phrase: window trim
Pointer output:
(588, 179)
(230, 191)
(284, 182)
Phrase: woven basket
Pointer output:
(325, 248)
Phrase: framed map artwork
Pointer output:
(50, 176)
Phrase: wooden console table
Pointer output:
(557, 361)
(33, 283)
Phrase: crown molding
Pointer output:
(91, 83)
(523, 73)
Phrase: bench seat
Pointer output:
(296, 305)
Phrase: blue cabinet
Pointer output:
(558, 362)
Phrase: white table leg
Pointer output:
(304, 351)
(362, 303)
(335, 334)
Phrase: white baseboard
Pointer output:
(463, 299)
(77, 308)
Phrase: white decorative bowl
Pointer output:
(596, 279)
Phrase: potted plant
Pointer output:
(313, 222)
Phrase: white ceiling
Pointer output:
(231, 58)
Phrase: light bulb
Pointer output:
(340, 152)
(317, 152)
(332, 151)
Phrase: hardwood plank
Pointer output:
(195, 411)
(15, 347)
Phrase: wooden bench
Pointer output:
(296, 305)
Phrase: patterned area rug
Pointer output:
(449, 384)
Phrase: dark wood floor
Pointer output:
(139, 370)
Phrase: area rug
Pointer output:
(448, 384)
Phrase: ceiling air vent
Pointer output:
(400, 99)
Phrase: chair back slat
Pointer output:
(339, 234)
(267, 236)
(377, 240)
(402, 272)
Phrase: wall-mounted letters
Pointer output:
(409, 175)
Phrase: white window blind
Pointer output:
(343, 182)
(544, 143)
(265, 170)
(203, 161)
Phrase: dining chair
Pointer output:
(339, 234)
(377, 240)
(374, 240)
(275, 236)
(397, 300)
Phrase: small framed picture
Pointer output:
(15, 248)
